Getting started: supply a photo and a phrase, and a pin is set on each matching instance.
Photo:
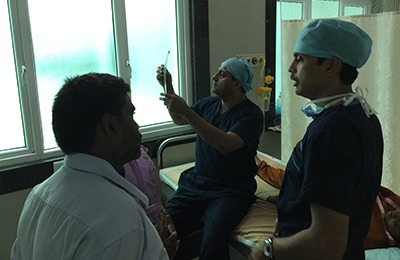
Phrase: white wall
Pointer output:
(10, 209)
(237, 27)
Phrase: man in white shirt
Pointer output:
(87, 209)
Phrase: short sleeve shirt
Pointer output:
(235, 171)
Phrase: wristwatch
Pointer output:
(268, 249)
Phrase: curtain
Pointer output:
(380, 75)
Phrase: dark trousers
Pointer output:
(218, 215)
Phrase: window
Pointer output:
(76, 46)
(150, 54)
(47, 41)
(12, 136)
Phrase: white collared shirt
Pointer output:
(86, 210)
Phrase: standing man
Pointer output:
(86, 209)
(220, 188)
(334, 173)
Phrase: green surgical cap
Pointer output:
(329, 38)
(240, 69)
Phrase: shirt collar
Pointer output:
(90, 164)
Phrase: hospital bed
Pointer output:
(176, 154)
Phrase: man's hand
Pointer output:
(160, 77)
(257, 254)
(174, 103)
(170, 238)
(171, 244)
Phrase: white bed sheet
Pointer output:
(391, 253)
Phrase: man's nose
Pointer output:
(291, 68)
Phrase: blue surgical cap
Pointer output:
(241, 70)
(329, 38)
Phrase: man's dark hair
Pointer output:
(347, 74)
(80, 104)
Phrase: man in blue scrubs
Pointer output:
(334, 173)
(220, 188)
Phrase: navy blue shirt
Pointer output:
(231, 173)
(338, 165)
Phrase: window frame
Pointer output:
(151, 132)
(24, 67)
(365, 3)
(307, 6)
(34, 151)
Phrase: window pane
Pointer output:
(291, 11)
(70, 37)
(12, 135)
(151, 34)
(324, 9)
(353, 10)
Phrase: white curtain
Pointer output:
(381, 75)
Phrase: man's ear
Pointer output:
(238, 83)
(109, 125)
(333, 65)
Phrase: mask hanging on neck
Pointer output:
(310, 108)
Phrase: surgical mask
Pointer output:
(310, 108)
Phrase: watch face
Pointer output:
(267, 248)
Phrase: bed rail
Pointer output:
(172, 141)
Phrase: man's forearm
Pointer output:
(220, 140)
